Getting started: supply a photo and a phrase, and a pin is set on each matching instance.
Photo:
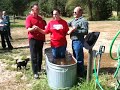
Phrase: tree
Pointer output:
(102, 9)
(71, 4)
(116, 6)
(7, 6)
(90, 10)
(47, 6)
(19, 6)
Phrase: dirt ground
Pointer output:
(107, 30)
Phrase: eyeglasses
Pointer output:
(74, 12)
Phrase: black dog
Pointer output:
(22, 63)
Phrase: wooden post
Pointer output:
(90, 65)
(14, 18)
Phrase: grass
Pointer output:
(42, 83)
(8, 57)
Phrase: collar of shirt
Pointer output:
(78, 18)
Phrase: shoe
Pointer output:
(36, 76)
(10, 48)
(4, 48)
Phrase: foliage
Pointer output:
(14, 6)
(47, 6)
(116, 6)
(102, 9)
(6, 5)
(96, 9)
(19, 6)
(71, 4)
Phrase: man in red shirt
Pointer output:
(58, 29)
(36, 39)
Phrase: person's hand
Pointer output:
(35, 27)
(71, 30)
(74, 28)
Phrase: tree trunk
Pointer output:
(118, 8)
(90, 10)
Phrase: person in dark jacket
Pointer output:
(4, 33)
(7, 20)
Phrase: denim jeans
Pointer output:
(36, 47)
(59, 52)
(77, 47)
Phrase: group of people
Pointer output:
(58, 29)
(5, 30)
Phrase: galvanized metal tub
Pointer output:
(60, 76)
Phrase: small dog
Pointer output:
(22, 63)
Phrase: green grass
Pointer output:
(17, 23)
(42, 83)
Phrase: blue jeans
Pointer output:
(59, 52)
(77, 47)
(36, 47)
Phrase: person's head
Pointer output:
(4, 12)
(77, 12)
(35, 9)
(56, 14)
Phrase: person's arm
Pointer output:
(31, 29)
(34, 28)
(41, 30)
(71, 30)
(70, 23)
(47, 29)
(29, 26)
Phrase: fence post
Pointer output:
(14, 18)
(90, 65)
